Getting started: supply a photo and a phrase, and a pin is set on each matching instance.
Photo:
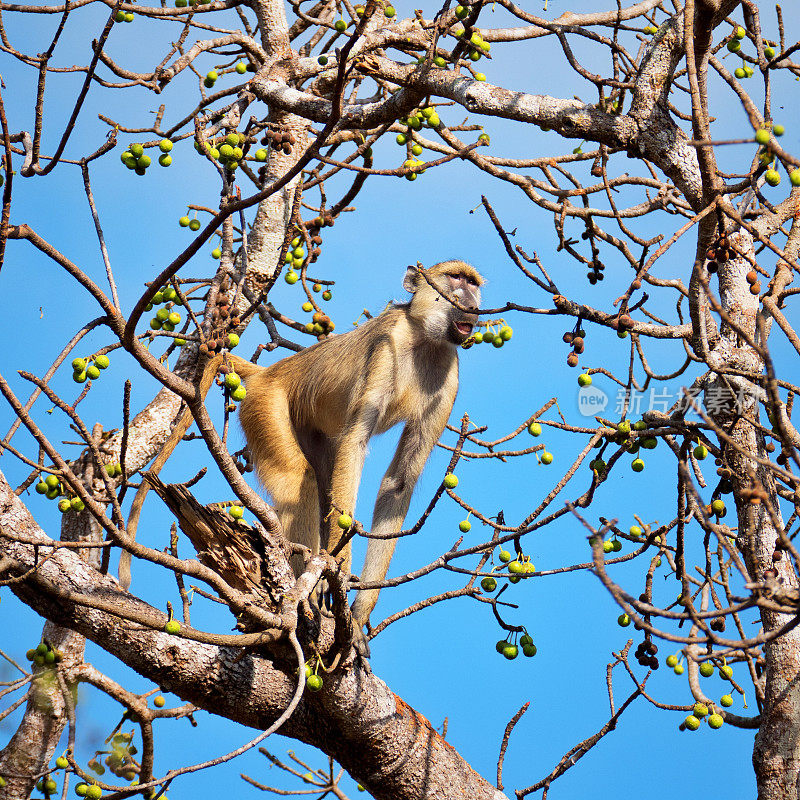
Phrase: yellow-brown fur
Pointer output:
(309, 417)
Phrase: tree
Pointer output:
(682, 218)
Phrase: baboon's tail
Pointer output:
(243, 367)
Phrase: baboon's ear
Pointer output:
(410, 280)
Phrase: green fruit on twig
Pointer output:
(237, 512)
(345, 521)
(510, 651)
(450, 480)
(535, 429)
(314, 683)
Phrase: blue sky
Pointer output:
(442, 661)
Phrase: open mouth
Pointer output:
(464, 328)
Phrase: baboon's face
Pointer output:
(463, 287)
(454, 281)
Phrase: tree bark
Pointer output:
(381, 741)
